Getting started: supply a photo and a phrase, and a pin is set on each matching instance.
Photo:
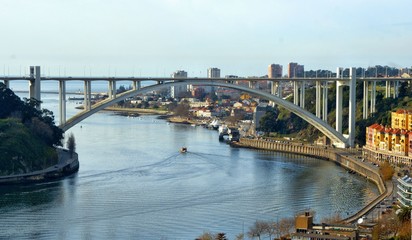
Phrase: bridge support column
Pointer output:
(365, 99)
(112, 89)
(318, 97)
(275, 88)
(373, 97)
(110, 92)
(325, 101)
(302, 94)
(339, 101)
(280, 90)
(87, 95)
(295, 93)
(388, 89)
(352, 106)
(62, 101)
(7, 83)
(35, 83)
(395, 89)
(136, 85)
(252, 84)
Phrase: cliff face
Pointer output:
(21, 151)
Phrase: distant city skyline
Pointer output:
(158, 37)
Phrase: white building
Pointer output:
(212, 73)
(176, 90)
(405, 191)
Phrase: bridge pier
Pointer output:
(395, 89)
(34, 84)
(339, 100)
(352, 106)
(87, 95)
(252, 84)
(276, 89)
(296, 93)
(136, 85)
(7, 83)
(112, 89)
(365, 99)
(373, 97)
(325, 101)
(388, 89)
(62, 101)
(302, 94)
(318, 97)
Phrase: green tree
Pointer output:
(71, 144)
(28, 113)
(268, 123)
(9, 102)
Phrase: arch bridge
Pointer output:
(319, 120)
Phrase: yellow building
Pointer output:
(404, 142)
(395, 139)
(402, 119)
(375, 135)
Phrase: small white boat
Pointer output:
(183, 150)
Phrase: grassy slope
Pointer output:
(21, 151)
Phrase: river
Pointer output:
(134, 184)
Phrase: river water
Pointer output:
(134, 184)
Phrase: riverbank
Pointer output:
(67, 165)
(341, 157)
(142, 111)
(125, 111)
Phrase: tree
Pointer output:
(182, 109)
(220, 236)
(386, 170)
(272, 229)
(258, 229)
(71, 144)
(28, 113)
(205, 236)
(404, 214)
(9, 102)
(286, 226)
(240, 236)
(269, 121)
(42, 130)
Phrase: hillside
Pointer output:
(288, 124)
(27, 135)
(21, 151)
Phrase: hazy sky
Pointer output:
(241, 37)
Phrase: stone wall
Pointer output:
(339, 156)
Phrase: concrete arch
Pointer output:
(326, 129)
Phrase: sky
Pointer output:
(241, 37)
